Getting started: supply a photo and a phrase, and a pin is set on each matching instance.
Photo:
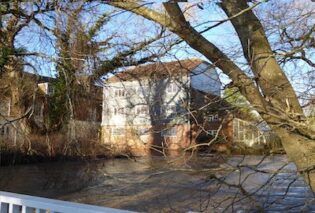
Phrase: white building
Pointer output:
(150, 107)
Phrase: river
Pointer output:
(209, 183)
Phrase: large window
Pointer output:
(142, 110)
(212, 132)
(171, 132)
(119, 111)
(156, 110)
(213, 117)
(168, 110)
(51, 89)
(172, 88)
(4, 130)
(120, 93)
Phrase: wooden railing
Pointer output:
(18, 203)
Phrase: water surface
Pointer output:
(203, 183)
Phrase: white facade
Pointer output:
(134, 102)
(140, 101)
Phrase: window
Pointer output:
(171, 132)
(142, 110)
(168, 109)
(213, 117)
(51, 89)
(156, 110)
(212, 132)
(47, 88)
(4, 130)
(118, 131)
(172, 88)
(120, 93)
(106, 111)
(119, 111)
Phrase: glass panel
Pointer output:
(169, 132)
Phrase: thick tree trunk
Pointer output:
(269, 76)
(19, 127)
(272, 95)
(11, 77)
(301, 151)
(284, 113)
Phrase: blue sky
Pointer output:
(131, 28)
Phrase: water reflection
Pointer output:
(207, 183)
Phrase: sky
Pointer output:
(128, 28)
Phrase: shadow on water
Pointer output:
(203, 183)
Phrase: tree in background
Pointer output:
(16, 91)
(74, 41)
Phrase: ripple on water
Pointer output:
(208, 184)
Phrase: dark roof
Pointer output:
(159, 69)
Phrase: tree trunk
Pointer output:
(269, 76)
(272, 94)
(301, 151)
(18, 115)
(284, 113)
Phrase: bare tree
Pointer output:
(15, 17)
(289, 27)
(79, 58)
(270, 91)
(78, 48)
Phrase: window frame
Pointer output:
(172, 88)
(120, 93)
(119, 111)
(142, 110)
(212, 132)
(165, 132)
(4, 131)
(213, 117)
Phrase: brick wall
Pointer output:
(155, 140)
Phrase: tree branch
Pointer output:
(175, 22)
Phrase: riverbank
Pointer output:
(15, 156)
(12, 155)
(12, 158)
